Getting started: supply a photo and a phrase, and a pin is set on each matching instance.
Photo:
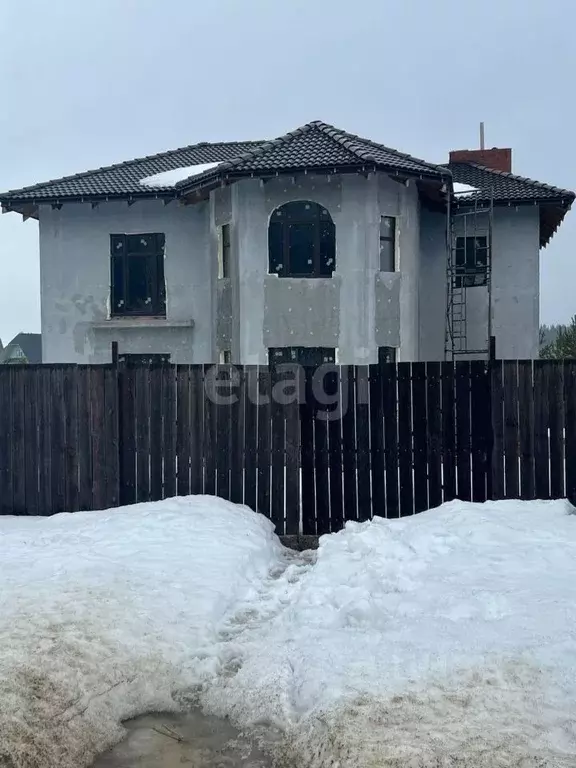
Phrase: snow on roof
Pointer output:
(462, 189)
(171, 178)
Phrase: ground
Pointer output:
(446, 639)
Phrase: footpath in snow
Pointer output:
(447, 639)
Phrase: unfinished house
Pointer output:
(315, 246)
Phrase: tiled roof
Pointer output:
(506, 187)
(315, 145)
(321, 145)
(123, 179)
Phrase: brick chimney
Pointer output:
(495, 158)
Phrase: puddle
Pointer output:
(207, 742)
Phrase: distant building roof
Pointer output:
(26, 347)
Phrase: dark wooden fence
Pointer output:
(386, 440)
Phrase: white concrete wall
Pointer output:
(516, 281)
(355, 203)
(75, 282)
(433, 284)
(401, 200)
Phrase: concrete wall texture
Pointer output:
(355, 311)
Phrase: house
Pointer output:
(24, 348)
(317, 245)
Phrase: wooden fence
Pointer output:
(385, 440)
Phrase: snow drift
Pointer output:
(447, 639)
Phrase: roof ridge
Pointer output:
(263, 147)
(270, 144)
(133, 161)
(517, 177)
(344, 136)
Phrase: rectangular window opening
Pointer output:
(137, 279)
(388, 244)
(314, 356)
(224, 252)
(471, 261)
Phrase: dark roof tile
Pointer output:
(505, 187)
(314, 145)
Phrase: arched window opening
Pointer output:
(301, 241)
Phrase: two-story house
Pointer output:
(318, 245)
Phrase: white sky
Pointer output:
(89, 84)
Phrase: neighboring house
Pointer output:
(318, 245)
(24, 348)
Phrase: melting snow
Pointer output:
(442, 639)
(171, 178)
(463, 189)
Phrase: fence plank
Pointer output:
(250, 435)
(128, 433)
(335, 441)
(390, 414)
(556, 410)
(363, 442)
(183, 436)
(497, 420)
(58, 447)
(84, 438)
(156, 416)
(31, 449)
(264, 440)
(196, 402)
(169, 431)
(237, 437)
(377, 442)
(541, 453)
(209, 435)
(307, 456)
(6, 505)
(70, 412)
(570, 427)
(292, 413)
(480, 423)
(143, 433)
(19, 442)
(511, 426)
(526, 432)
(321, 457)
(223, 432)
(405, 454)
(419, 428)
(349, 442)
(98, 437)
(277, 376)
(434, 434)
(463, 428)
(448, 431)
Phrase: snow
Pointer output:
(171, 178)
(463, 189)
(444, 639)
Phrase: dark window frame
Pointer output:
(324, 240)
(124, 249)
(470, 270)
(389, 241)
(301, 355)
(225, 248)
(387, 355)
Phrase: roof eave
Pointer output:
(12, 203)
(225, 175)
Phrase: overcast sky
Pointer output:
(86, 84)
